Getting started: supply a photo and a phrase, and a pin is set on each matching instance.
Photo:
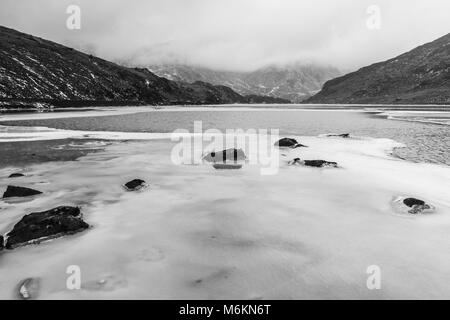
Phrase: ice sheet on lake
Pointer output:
(199, 233)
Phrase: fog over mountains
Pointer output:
(294, 82)
(34, 70)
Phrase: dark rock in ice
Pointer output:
(1, 243)
(227, 166)
(410, 202)
(342, 135)
(313, 163)
(320, 163)
(416, 205)
(288, 143)
(135, 185)
(39, 226)
(16, 175)
(225, 155)
(13, 191)
(28, 288)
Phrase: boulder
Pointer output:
(225, 155)
(288, 143)
(135, 185)
(39, 226)
(13, 191)
(16, 175)
(1, 243)
(28, 288)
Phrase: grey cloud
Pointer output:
(234, 34)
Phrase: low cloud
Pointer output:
(235, 34)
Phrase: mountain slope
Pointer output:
(294, 82)
(420, 76)
(37, 70)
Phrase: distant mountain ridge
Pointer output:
(37, 70)
(294, 82)
(420, 76)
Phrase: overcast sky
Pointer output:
(235, 34)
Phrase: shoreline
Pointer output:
(111, 111)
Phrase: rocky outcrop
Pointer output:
(225, 155)
(13, 191)
(135, 185)
(16, 175)
(39, 226)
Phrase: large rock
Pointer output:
(135, 185)
(13, 191)
(225, 155)
(16, 175)
(288, 143)
(39, 226)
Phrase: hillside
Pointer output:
(420, 76)
(36, 70)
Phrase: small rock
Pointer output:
(13, 191)
(135, 185)
(342, 135)
(29, 288)
(412, 206)
(225, 155)
(288, 143)
(416, 205)
(39, 226)
(313, 163)
(16, 175)
(227, 166)
(320, 163)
